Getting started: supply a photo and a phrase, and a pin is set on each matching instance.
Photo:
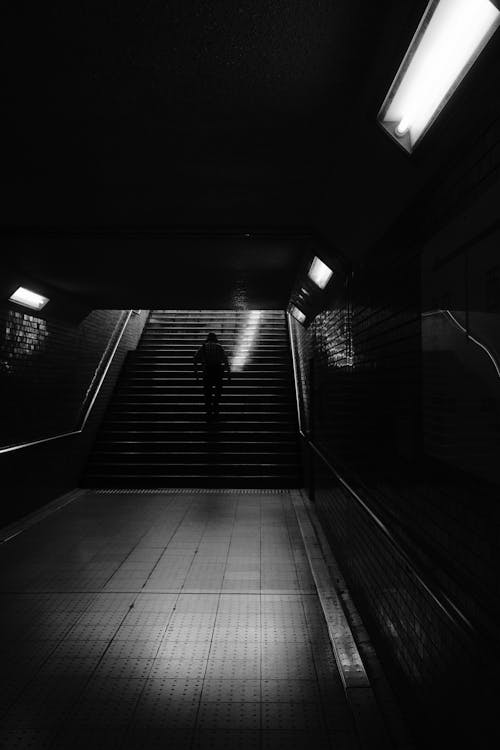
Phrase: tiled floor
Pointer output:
(185, 620)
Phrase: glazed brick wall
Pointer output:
(366, 416)
(366, 346)
(46, 370)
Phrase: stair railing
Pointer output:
(93, 390)
(452, 611)
(455, 322)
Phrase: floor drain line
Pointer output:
(359, 693)
(25, 523)
(187, 491)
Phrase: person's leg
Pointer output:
(217, 392)
(211, 384)
(207, 390)
(212, 389)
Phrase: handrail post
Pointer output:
(295, 372)
(310, 436)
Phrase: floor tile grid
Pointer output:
(195, 731)
(57, 624)
(47, 562)
(296, 541)
(130, 729)
(215, 734)
(276, 716)
(201, 542)
(241, 513)
(58, 632)
(66, 729)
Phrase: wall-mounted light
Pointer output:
(27, 298)
(297, 314)
(320, 273)
(449, 38)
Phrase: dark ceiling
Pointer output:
(253, 116)
(158, 269)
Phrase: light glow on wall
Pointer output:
(297, 314)
(320, 273)
(27, 298)
(449, 39)
(246, 341)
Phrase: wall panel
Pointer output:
(46, 368)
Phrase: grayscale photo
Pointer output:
(260, 509)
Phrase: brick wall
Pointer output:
(46, 368)
(365, 399)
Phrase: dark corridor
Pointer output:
(317, 561)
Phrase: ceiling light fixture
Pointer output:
(297, 314)
(449, 39)
(27, 298)
(320, 273)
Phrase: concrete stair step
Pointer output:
(155, 431)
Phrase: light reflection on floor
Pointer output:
(183, 620)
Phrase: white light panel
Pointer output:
(27, 298)
(320, 273)
(449, 38)
(297, 314)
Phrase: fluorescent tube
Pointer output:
(28, 298)
(449, 38)
(320, 273)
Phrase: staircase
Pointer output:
(155, 432)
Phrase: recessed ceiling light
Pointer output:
(297, 314)
(449, 38)
(320, 273)
(27, 298)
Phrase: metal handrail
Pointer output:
(79, 430)
(448, 314)
(294, 365)
(435, 592)
(446, 605)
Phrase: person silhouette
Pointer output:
(213, 359)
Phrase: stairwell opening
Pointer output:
(155, 432)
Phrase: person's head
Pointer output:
(211, 337)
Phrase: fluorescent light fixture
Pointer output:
(320, 273)
(297, 314)
(26, 298)
(449, 39)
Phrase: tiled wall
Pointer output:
(365, 352)
(461, 383)
(46, 368)
(364, 392)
